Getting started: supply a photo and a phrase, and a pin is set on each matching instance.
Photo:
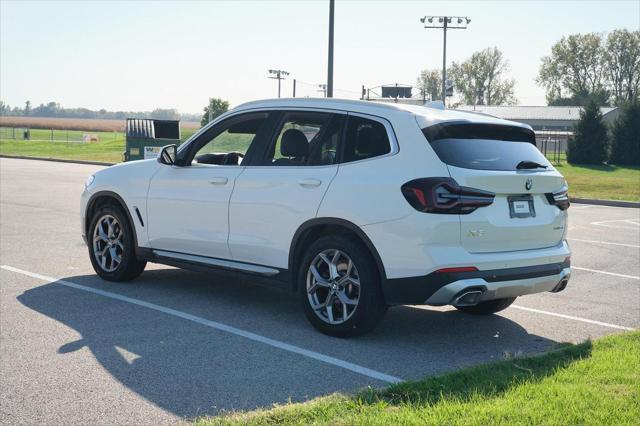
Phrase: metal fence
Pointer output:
(553, 144)
(56, 135)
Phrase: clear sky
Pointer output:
(124, 55)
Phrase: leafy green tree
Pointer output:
(429, 82)
(217, 107)
(27, 108)
(600, 97)
(481, 79)
(165, 114)
(590, 143)
(576, 66)
(622, 55)
(625, 136)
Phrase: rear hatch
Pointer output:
(502, 159)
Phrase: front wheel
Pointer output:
(488, 307)
(340, 287)
(112, 245)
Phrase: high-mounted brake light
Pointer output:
(559, 198)
(444, 195)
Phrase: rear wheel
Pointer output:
(488, 307)
(340, 287)
(112, 245)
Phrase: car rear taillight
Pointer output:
(444, 195)
(559, 198)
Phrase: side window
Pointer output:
(230, 141)
(306, 139)
(365, 139)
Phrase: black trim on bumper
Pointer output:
(416, 290)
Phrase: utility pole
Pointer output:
(329, 93)
(445, 23)
(278, 75)
(323, 89)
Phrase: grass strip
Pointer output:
(588, 384)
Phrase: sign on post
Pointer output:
(448, 87)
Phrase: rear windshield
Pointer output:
(483, 146)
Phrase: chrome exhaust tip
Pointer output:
(560, 286)
(468, 298)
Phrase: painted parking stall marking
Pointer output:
(218, 326)
(633, 277)
(632, 223)
(570, 317)
(604, 242)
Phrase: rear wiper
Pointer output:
(529, 165)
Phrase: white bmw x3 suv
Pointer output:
(356, 205)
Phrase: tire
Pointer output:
(370, 306)
(488, 307)
(117, 238)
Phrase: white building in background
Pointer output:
(560, 118)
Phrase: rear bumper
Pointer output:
(450, 288)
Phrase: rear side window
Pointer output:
(483, 146)
(306, 139)
(364, 139)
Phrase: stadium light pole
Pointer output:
(329, 93)
(445, 23)
(278, 75)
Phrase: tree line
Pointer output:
(593, 142)
(54, 109)
(580, 67)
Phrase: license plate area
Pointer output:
(521, 206)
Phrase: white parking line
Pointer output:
(633, 277)
(610, 224)
(604, 242)
(218, 326)
(588, 321)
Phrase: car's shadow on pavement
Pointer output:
(191, 370)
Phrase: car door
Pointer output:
(188, 203)
(284, 189)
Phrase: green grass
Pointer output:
(602, 182)
(109, 147)
(594, 384)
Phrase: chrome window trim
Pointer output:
(391, 135)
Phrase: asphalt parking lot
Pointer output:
(175, 344)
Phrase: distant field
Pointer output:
(87, 124)
(601, 182)
(109, 147)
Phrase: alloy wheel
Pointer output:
(333, 286)
(108, 247)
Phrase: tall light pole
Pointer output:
(278, 75)
(330, 61)
(445, 23)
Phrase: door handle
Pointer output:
(218, 180)
(309, 183)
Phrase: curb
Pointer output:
(58, 160)
(610, 203)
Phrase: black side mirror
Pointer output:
(168, 155)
